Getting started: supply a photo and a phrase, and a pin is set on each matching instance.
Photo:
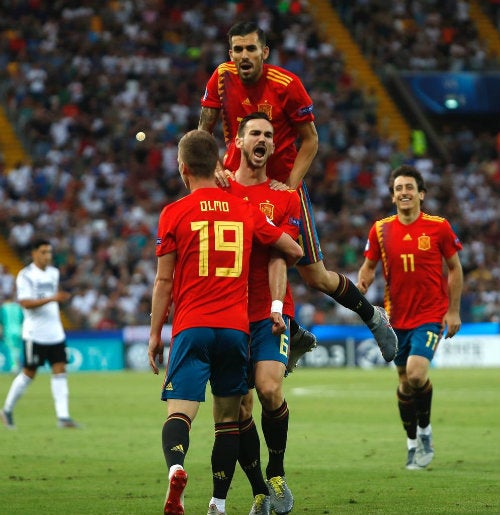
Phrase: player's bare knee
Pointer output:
(416, 380)
(319, 278)
(271, 396)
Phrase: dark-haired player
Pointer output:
(44, 339)
(247, 84)
(422, 302)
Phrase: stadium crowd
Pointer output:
(80, 79)
(416, 35)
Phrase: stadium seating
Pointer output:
(77, 84)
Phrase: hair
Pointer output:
(243, 28)
(407, 171)
(39, 242)
(257, 115)
(200, 153)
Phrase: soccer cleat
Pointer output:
(7, 419)
(410, 462)
(384, 334)
(174, 500)
(281, 496)
(425, 451)
(67, 423)
(261, 505)
(301, 342)
(212, 510)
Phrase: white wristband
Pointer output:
(277, 307)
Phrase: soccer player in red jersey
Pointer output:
(421, 301)
(245, 85)
(267, 286)
(203, 248)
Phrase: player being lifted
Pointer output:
(247, 84)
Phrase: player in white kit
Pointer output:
(43, 334)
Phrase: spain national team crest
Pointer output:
(267, 209)
(267, 109)
(424, 242)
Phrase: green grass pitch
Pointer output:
(346, 449)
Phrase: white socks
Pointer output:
(412, 444)
(172, 469)
(17, 388)
(220, 503)
(424, 430)
(60, 392)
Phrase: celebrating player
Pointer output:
(269, 352)
(245, 85)
(421, 302)
(203, 248)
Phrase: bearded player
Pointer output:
(247, 84)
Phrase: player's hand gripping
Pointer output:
(222, 177)
(279, 326)
(278, 186)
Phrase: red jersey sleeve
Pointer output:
(450, 241)
(291, 222)
(298, 104)
(372, 248)
(165, 241)
(211, 97)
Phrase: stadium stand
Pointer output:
(79, 80)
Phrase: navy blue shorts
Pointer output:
(36, 354)
(308, 237)
(421, 341)
(265, 346)
(203, 354)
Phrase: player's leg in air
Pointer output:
(312, 270)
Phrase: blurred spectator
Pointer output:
(80, 81)
(7, 283)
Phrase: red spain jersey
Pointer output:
(278, 93)
(212, 233)
(412, 256)
(283, 209)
